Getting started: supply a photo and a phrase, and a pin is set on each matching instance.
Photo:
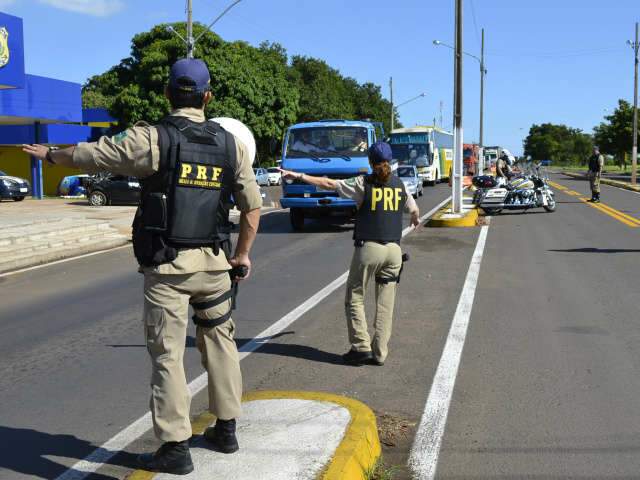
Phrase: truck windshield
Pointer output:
(406, 172)
(411, 154)
(327, 142)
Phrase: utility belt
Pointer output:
(360, 243)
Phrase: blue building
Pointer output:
(36, 109)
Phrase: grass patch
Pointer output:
(381, 471)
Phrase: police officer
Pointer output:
(381, 199)
(189, 170)
(502, 167)
(596, 163)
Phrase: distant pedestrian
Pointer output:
(381, 198)
(596, 164)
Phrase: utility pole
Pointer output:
(457, 114)
(634, 151)
(393, 120)
(190, 42)
(483, 72)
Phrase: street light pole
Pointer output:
(483, 72)
(393, 123)
(634, 151)
(190, 42)
(457, 114)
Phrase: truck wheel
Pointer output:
(297, 219)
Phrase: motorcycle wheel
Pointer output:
(491, 211)
(551, 204)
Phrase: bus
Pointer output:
(429, 148)
(336, 149)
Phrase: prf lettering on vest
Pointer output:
(202, 176)
(390, 198)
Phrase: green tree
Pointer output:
(558, 143)
(248, 83)
(614, 136)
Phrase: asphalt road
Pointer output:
(74, 370)
(547, 385)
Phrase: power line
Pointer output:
(475, 23)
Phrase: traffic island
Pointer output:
(446, 218)
(289, 434)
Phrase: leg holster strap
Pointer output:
(211, 322)
(386, 281)
(213, 303)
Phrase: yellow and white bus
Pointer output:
(430, 149)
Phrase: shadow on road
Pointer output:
(24, 451)
(597, 250)
(303, 352)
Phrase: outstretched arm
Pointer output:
(322, 182)
(63, 156)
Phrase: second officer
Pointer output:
(381, 199)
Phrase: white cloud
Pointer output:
(97, 8)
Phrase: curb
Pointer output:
(606, 181)
(356, 454)
(443, 218)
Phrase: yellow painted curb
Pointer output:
(470, 218)
(356, 454)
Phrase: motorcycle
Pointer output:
(528, 190)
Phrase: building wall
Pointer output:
(15, 162)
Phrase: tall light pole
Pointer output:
(393, 113)
(483, 73)
(634, 152)
(190, 42)
(457, 114)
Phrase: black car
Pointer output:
(13, 187)
(113, 190)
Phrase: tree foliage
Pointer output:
(258, 86)
(615, 135)
(558, 143)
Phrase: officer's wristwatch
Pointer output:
(49, 157)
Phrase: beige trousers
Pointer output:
(370, 261)
(594, 181)
(166, 309)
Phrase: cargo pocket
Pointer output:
(154, 321)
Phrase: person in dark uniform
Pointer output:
(381, 199)
(189, 169)
(596, 164)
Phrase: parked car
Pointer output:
(412, 183)
(113, 189)
(15, 188)
(274, 176)
(262, 176)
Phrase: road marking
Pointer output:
(96, 459)
(557, 186)
(613, 213)
(423, 459)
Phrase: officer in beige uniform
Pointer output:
(596, 164)
(381, 199)
(191, 171)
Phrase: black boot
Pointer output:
(597, 198)
(223, 436)
(352, 357)
(171, 457)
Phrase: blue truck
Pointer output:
(333, 148)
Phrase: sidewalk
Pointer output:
(606, 181)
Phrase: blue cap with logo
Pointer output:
(380, 152)
(190, 75)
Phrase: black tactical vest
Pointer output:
(186, 203)
(594, 163)
(379, 218)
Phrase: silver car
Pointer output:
(262, 176)
(409, 176)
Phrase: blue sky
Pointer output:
(562, 61)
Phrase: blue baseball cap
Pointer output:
(380, 152)
(190, 75)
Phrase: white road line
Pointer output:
(95, 460)
(423, 459)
